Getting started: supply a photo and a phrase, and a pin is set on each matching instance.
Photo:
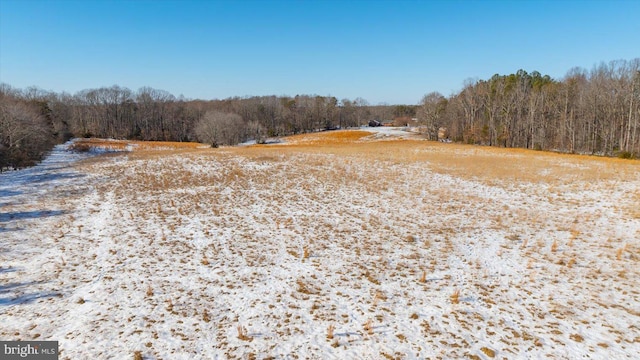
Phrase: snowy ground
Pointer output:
(381, 132)
(262, 252)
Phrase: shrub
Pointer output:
(80, 147)
(625, 155)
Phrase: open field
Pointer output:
(333, 245)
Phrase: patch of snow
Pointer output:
(390, 131)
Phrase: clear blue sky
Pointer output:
(382, 51)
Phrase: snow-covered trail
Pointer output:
(33, 204)
(53, 169)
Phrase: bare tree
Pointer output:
(218, 128)
(24, 135)
(430, 113)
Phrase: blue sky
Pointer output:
(383, 51)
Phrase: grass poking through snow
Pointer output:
(331, 245)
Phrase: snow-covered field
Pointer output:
(365, 250)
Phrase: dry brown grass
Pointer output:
(242, 334)
(423, 277)
(134, 145)
(488, 352)
(328, 161)
(488, 164)
(368, 327)
(455, 297)
(204, 261)
(576, 337)
(303, 287)
(327, 138)
(330, 330)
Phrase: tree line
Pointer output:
(32, 120)
(592, 112)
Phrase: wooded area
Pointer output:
(593, 112)
(32, 120)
